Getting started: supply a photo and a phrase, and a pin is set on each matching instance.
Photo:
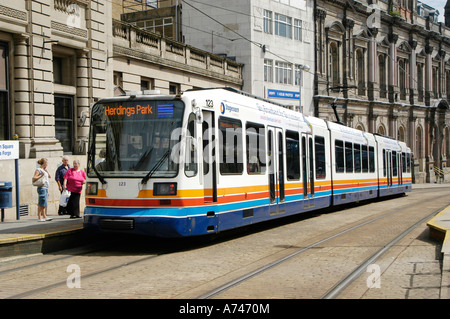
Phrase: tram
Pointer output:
(209, 160)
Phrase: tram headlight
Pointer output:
(161, 189)
(91, 188)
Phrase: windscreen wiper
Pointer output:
(91, 155)
(155, 167)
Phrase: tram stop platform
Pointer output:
(28, 236)
(439, 227)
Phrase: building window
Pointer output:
(163, 26)
(283, 25)
(298, 29)
(268, 70)
(268, 22)
(435, 82)
(283, 72)
(447, 81)
(118, 79)
(174, 88)
(147, 84)
(402, 74)
(401, 134)
(382, 74)
(360, 74)
(63, 70)
(334, 64)
(4, 89)
(64, 121)
(420, 81)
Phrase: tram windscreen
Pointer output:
(133, 138)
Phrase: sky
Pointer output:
(439, 5)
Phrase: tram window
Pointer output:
(293, 156)
(339, 152)
(371, 159)
(408, 163)
(190, 166)
(206, 146)
(348, 157)
(403, 162)
(320, 157)
(256, 148)
(365, 159)
(384, 162)
(394, 163)
(231, 148)
(357, 157)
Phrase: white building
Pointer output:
(272, 38)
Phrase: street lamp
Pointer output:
(301, 68)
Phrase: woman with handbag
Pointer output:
(74, 180)
(40, 179)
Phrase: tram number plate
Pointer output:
(122, 183)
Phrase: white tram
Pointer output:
(215, 159)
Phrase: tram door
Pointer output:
(276, 170)
(389, 167)
(308, 170)
(209, 159)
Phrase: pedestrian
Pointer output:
(41, 172)
(73, 182)
(59, 178)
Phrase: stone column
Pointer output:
(22, 111)
(412, 72)
(372, 85)
(392, 69)
(82, 102)
(428, 74)
(43, 134)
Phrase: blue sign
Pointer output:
(165, 110)
(283, 94)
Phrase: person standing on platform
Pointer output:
(74, 180)
(42, 190)
(59, 178)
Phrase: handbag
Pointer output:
(63, 200)
(40, 182)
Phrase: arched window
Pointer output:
(381, 130)
(360, 127)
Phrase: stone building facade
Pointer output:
(57, 57)
(385, 65)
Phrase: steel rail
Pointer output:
(352, 276)
(262, 269)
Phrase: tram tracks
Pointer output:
(123, 260)
(59, 279)
(345, 281)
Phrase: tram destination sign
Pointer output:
(9, 150)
